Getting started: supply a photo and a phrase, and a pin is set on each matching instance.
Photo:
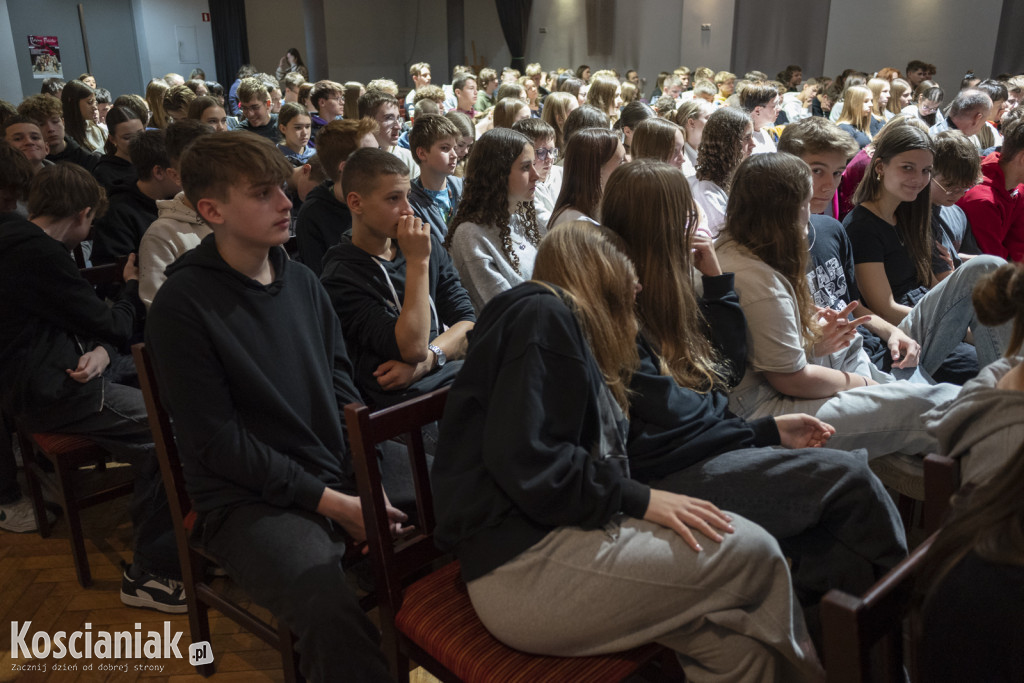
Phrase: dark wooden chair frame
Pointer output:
(399, 562)
(200, 594)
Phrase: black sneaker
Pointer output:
(153, 592)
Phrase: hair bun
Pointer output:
(999, 297)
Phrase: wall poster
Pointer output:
(45, 54)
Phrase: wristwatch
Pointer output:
(439, 357)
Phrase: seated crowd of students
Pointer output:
(670, 362)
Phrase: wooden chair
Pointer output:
(864, 637)
(430, 618)
(941, 482)
(200, 594)
(68, 453)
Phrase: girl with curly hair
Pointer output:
(494, 235)
(727, 140)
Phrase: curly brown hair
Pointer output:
(721, 146)
(485, 194)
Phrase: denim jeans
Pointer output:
(289, 561)
(829, 512)
(941, 318)
(121, 427)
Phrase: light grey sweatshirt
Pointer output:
(483, 268)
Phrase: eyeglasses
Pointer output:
(251, 109)
(390, 120)
(952, 192)
(544, 154)
(927, 108)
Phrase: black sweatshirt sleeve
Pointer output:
(533, 431)
(727, 326)
(672, 428)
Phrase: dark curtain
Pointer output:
(1009, 55)
(230, 39)
(769, 35)
(514, 16)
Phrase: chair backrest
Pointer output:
(395, 560)
(166, 448)
(941, 482)
(863, 637)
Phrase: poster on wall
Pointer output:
(45, 53)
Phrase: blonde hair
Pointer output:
(600, 283)
(853, 109)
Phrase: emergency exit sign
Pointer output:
(206, 16)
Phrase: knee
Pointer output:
(979, 266)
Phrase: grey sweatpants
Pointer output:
(728, 611)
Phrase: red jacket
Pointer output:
(996, 215)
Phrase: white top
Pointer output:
(712, 201)
(546, 194)
(763, 143)
(406, 156)
(177, 229)
(570, 215)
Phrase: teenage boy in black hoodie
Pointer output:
(46, 111)
(324, 218)
(133, 207)
(252, 364)
(56, 340)
(393, 285)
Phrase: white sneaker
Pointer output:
(19, 517)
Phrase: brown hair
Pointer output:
(15, 170)
(179, 97)
(251, 89)
(365, 166)
(587, 151)
(956, 159)
(599, 281)
(321, 90)
(64, 189)
(648, 204)
(602, 95)
(721, 146)
(913, 219)
(999, 298)
(40, 108)
(654, 139)
(754, 95)
(556, 104)
(505, 111)
(155, 92)
(338, 139)
(816, 135)
(763, 216)
(428, 130)
(201, 104)
(214, 163)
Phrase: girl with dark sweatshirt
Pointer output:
(563, 553)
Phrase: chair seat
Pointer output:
(65, 444)
(438, 616)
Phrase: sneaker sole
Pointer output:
(145, 603)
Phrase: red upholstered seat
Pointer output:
(64, 443)
(437, 615)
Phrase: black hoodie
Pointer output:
(49, 317)
(321, 222)
(367, 293)
(76, 154)
(119, 232)
(256, 378)
(112, 171)
(514, 458)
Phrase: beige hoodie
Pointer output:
(177, 229)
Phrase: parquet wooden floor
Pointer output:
(38, 583)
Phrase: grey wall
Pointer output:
(111, 32)
(10, 84)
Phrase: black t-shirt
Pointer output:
(831, 277)
(269, 131)
(876, 241)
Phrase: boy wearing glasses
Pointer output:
(254, 103)
(549, 176)
(435, 195)
(382, 107)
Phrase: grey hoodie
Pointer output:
(983, 426)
